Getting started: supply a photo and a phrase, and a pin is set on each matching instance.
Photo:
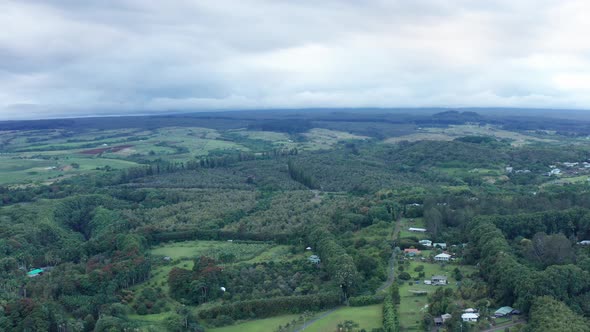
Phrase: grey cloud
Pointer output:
(66, 57)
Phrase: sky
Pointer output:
(97, 57)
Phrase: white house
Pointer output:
(418, 230)
(442, 257)
(426, 243)
(585, 242)
(440, 245)
(438, 280)
(470, 317)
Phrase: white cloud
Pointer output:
(63, 57)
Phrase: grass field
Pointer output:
(368, 318)
(259, 325)
(190, 249)
(455, 131)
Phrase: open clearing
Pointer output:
(368, 318)
(455, 131)
(259, 325)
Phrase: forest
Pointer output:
(315, 219)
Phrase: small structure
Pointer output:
(412, 252)
(222, 289)
(308, 248)
(469, 310)
(504, 311)
(439, 280)
(438, 321)
(167, 258)
(427, 282)
(34, 273)
(442, 257)
(584, 242)
(470, 317)
(446, 317)
(426, 243)
(440, 245)
(315, 259)
(417, 230)
(555, 171)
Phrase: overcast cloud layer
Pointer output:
(71, 57)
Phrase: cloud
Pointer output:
(66, 58)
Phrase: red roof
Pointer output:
(412, 250)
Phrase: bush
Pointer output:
(404, 276)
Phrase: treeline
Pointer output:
(391, 321)
(572, 222)
(164, 167)
(262, 308)
(513, 283)
(339, 264)
(297, 173)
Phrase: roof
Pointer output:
(470, 315)
(504, 311)
(439, 277)
(438, 319)
(416, 229)
(412, 250)
(446, 316)
(443, 255)
(34, 272)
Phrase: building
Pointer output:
(417, 230)
(446, 317)
(442, 257)
(438, 321)
(315, 259)
(426, 243)
(584, 242)
(412, 252)
(504, 311)
(440, 245)
(470, 317)
(439, 280)
(34, 273)
(555, 171)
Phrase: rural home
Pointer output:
(470, 317)
(440, 245)
(426, 243)
(412, 252)
(315, 259)
(585, 242)
(504, 311)
(417, 230)
(34, 273)
(439, 280)
(442, 257)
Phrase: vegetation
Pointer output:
(195, 223)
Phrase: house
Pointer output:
(555, 171)
(412, 252)
(446, 317)
(509, 169)
(438, 321)
(315, 259)
(442, 257)
(440, 245)
(417, 230)
(34, 273)
(308, 248)
(504, 311)
(469, 310)
(427, 282)
(569, 164)
(439, 280)
(470, 317)
(426, 243)
(584, 242)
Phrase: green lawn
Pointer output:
(259, 325)
(368, 318)
(190, 249)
